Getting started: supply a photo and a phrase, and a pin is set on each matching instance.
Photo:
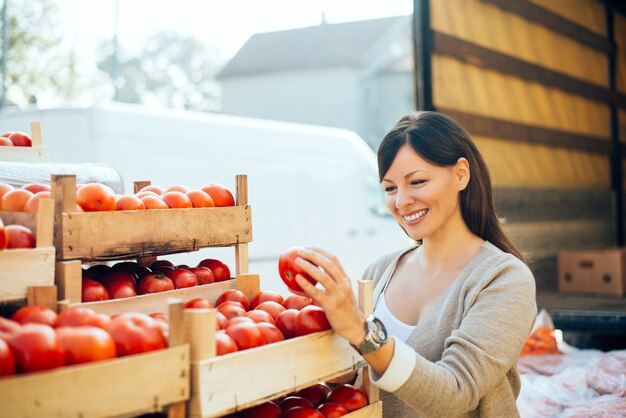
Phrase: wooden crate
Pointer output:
(35, 154)
(22, 268)
(130, 234)
(125, 386)
(373, 410)
(229, 383)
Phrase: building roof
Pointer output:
(322, 46)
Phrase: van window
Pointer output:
(375, 196)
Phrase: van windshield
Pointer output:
(375, 196)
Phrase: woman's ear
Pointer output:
(462, 172)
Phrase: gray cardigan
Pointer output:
(466, 345)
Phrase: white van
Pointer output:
(307, 185)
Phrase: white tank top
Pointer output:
(394, 326)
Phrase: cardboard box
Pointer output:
(601, 271)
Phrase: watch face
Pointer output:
(378, 330)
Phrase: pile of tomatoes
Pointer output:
(15, 139)
(36, 338)
(266, 319)
(95, 197)
(317, 401)
(126, 279)
(16, 236)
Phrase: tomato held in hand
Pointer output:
(7, 359)
(85, 344)
(350, 397)
(288, 270)
(36, 315)
(36, 347)
(246, 335)
(155, 283)
(135, 333)
(220, 271)
(221, 195)
(265, 296)
(285, 322)
(93, 291)
(310, 319)
(235, 296)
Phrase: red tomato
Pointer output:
(4, 236)
(94, 197)
(7, 134)
(236, 296)
(238, 320)
(120, 290)
(32, 205)
(154, 189)
(8, 327)
(291, 402)
(350, 397)
(5, 142)
(177, 200)
(81, 316)
(15, 200)
(198, 303)
(224, 344)
(301, 412)
(204, 275)
(36, 347)
(272, 308)
(21, 139)
(35, 314)
(135, 333)
(93, 291)
(155, 283)
(314, 394)
(285, 322)
(258, 315)
(230, 311)
(246, 335)
(332, 410)
(129, 203)
(265, 410)
(35, 188)
(288, 270)
(161, 263)
(265, 296)
(125, 277)
(221, 320)
(220, 271)
(221, 195)
(153, 202)
(296, 302)
(182, 278)
(7, 359)
(310, 319)
(200, 199)
(230, 303)
(164, 322)
(177, 188)
(85, 344)
(20, 237)
(271, 334)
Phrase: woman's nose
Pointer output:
(403, 198)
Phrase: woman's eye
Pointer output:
(417, 182)
(389, 189)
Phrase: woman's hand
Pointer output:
(336, 296)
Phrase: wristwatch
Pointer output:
(375, 337)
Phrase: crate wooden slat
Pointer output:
(134, 384)
(21, 268)
(290, 365)
(35, 154)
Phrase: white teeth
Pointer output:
(416, 216)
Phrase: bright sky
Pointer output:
(226, 24)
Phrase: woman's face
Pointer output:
(424, 198)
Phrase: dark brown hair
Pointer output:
(441, 141)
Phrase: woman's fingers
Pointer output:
(334, 270)
(310, 289)
(330, 257)
(313, 271)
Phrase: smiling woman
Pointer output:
(452, 314)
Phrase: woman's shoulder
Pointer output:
(377, 267)
(496, 263)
